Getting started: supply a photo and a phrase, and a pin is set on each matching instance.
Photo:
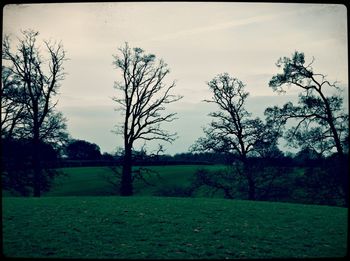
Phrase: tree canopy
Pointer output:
(83, 150)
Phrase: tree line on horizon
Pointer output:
(29, 119)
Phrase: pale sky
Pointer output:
(197, 41)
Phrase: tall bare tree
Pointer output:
(321, 121)
(38, 80)
(143, 96)
(233, 130)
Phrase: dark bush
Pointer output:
(17, 166)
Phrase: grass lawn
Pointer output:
(160, 227)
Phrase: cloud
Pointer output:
(225, 25)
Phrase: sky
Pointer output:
(198, 40)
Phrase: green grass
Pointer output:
(160, 227)
(91, 181)
(82, 181)
(99, 225)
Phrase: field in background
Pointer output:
(161, 227)
(93, 181)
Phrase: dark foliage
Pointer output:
(300, 180)
(271, 176)
(17, 166)
(83, 150)
(203, 157)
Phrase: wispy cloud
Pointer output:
(222, 26)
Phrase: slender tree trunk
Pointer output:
(126, 188)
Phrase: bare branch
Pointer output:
(35, 80)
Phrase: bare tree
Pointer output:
(143, 98)
(38, 81)
(233, 130)
(321, 122)
(12, 105)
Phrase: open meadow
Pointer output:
(94, 181)
(160, 227)
(80, 218)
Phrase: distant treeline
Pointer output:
(148, 160)
(301, 159)
(16, 154)
(100, 163)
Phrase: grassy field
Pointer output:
(91, 181)
(80, 218)
(160, 227)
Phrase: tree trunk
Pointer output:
(36, 166)
(126, 188)
(342, 170)
(251, 183)
(330, 121)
